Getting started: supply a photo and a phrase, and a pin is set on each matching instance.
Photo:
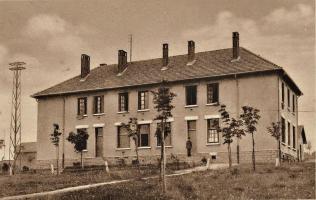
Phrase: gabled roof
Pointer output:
(301, 132)
(217, 63)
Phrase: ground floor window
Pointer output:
(144, 135)
(168, 132)
(85, 141)
(212, 130)
(122, 137)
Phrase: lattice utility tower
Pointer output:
(15, 125)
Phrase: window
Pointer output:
(122, 137)
(144, 135)
(191, 128)
(288, 98)
(123, 102)
(282, 103)
(168, 132)
(98, 105)
(85, 142)
(294, 137)
(212, 93)
(191, 95)
(143, 100)
(82, 106)
(283, 129)
(288, 134)
(212, 130)
(293, 103)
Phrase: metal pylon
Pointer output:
(15, 124)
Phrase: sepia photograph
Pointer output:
(148, 99)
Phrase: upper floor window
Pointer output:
(82, 106)
(98, 104)
(191, 95)
(288, 98)
(283, 129)
(122, 137)
(282, 97)
(293, 103)
(168, 133)
(143, 100)
(123, 102)
(212, 130)
(212, 93)
(144, 135)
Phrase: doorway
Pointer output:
(191, 128)
(98, 142)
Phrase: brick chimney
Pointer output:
(85, 65)
(165, 58)
(236, 45)
(122, 61)
(191, 50)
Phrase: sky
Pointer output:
(50, 37)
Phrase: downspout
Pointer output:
(237, 113)
(64, 111)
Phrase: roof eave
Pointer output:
(155, 83)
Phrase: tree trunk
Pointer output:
(237, 151)
(163, 158)
(57, 159)
(253, 153)
(229, 155)
(81, 160)
(137, 158)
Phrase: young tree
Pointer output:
(250, 118)
(54, 137)
(275, 131)
(163, 105)
(79, 139)
(229, 128)
(309, 147)
(133, 132)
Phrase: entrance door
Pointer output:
(98, 142)
(191, 126)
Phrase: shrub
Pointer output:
(25, 168)
(204, 161)
(5, 167)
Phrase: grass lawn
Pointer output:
(44, 181)
(287, 182)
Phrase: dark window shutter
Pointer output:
(126, 102)
(78, 106)
(85, 105)
(215, 93)
(139, 100)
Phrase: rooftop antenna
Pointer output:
(130, 47)
(15, 124)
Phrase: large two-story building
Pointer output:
(99, 100)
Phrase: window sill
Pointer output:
(85, 115)
(293, 149)
(143, 147)
(122, 112)
(98, 114)
(145, 110)
(158, 147)
(289, 147)
(212, 144)
(122, 149)
(283, 143)
(190, 106)
(212, 104)
(85, 150)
